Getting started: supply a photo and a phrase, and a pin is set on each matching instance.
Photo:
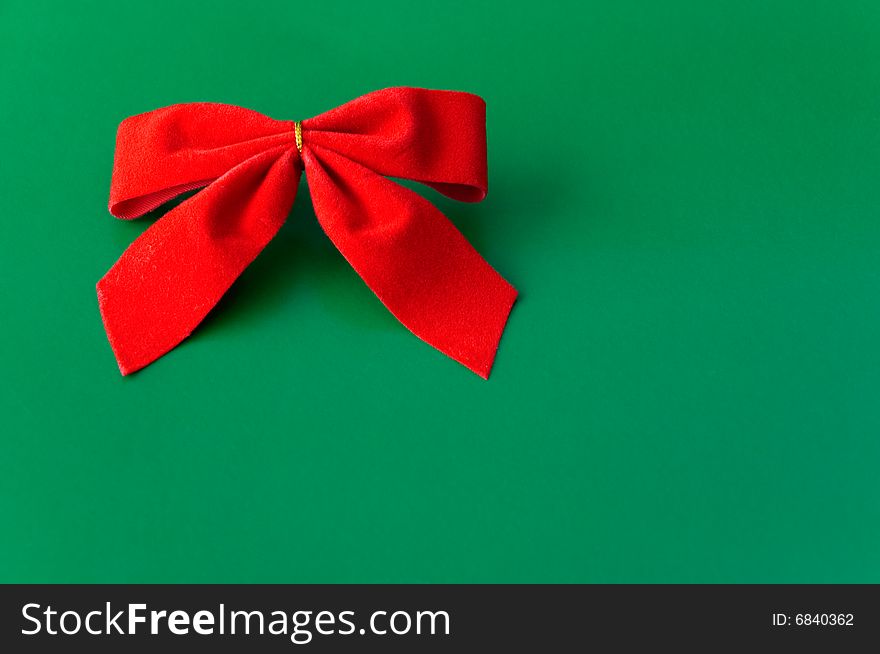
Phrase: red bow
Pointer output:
(406, 251)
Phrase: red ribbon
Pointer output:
(406, 251)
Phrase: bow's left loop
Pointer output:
(166, 152)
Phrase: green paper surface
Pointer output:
(685, 194)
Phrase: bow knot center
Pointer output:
(298, 132)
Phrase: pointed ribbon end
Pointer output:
(478, 353)
(115, 337)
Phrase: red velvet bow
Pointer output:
(406, 251)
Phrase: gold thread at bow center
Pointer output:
(298, 132)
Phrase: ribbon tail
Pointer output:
(168, 280)
(412, 257)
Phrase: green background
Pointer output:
(686, 195)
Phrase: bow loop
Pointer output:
(437, 138)
(166, 152)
